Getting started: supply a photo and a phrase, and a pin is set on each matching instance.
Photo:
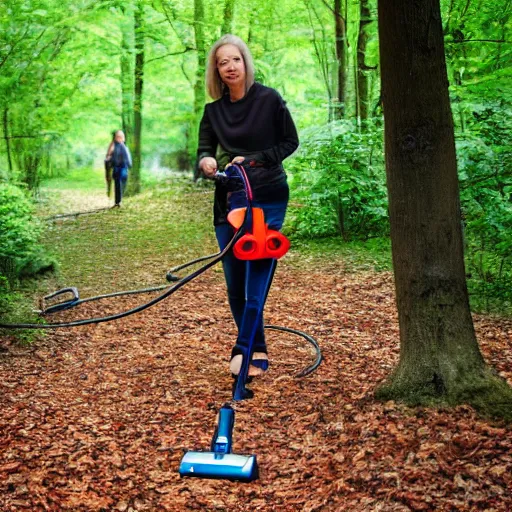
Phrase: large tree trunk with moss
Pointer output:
(440, 360)
(199, 87)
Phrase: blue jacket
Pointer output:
(121, 157)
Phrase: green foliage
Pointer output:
(486, 201)
(338, 184)
(479, 62)
(61, 96)
(21, 254)
(46, 65)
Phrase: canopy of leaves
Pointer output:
(61, 96)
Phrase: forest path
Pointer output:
(97, 418)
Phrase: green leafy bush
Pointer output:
(21, 254)
(338, 189)
(338, 184)
(486, 202)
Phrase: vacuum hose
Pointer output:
(137, 309)
(214, 258)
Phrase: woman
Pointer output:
(119, 156)
(250, 124)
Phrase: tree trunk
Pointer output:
(134, 181)
(323, 55)
(362, 68)
(199, 89)
(229, 8)
(341, 45)
(31, 162)
(6, 137)
(440, 360)
(127, 73)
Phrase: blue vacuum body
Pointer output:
(220, 462)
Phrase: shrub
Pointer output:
(486, 203)
(338, 184)
(21, 254)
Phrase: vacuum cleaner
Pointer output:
(258, 242)
(220, 462)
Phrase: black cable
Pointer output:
(306, 371)
(76, 214)
(114, 294)
(316, 364)
(215, 258)
(170, 277)
(197, 260)
(137, 309)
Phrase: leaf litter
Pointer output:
(97, 418)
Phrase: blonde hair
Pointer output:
(121, 133)
(214, 85)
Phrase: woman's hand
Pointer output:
(208, 165)
(236, 160)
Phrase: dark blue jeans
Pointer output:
(247, 280)
(120, 176)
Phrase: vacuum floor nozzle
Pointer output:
(220, 462)
(226, 466)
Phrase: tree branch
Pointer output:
(184, 71)
(328, 6)
(36, 136)
(168, 18)
(13, 46)
(479, 41)
(188, 49)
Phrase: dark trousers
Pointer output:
(120, 176)
(247, 281)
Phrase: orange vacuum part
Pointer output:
(262, 242)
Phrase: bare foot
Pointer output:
(236, 363)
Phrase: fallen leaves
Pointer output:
(98, 418)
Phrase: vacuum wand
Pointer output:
(220, 462)
(258, 243)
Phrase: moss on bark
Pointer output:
(482, 389)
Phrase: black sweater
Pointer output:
(258, 127)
